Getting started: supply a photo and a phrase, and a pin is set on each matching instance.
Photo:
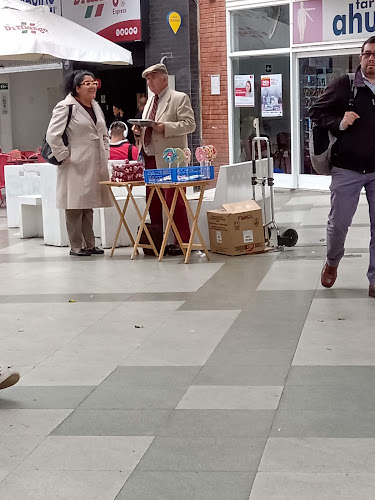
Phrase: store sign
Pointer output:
(244, 91)
(272, 95)
(54, 5)
(116, 20)
(332, 20)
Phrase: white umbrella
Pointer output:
(31, 33)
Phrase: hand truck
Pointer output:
(272, 234)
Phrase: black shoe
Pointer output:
(174, 250)
(80, 253)
(95, 251)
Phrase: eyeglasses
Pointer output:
(368, 54)
(89, 84)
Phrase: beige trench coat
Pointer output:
(84, 160)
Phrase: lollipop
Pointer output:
(187, 154)
(208, 153)
(170, 155)
(180, 156)
(201, 155)
(214, 152)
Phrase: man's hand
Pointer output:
(136, 130)
(159, 128)
(349, 118)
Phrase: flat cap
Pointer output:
(156, 67)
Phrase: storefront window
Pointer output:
(263, 28)
(315, 74)
(261, 87)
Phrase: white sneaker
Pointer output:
(8, 377)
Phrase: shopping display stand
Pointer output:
(179, 188)
(122, 212)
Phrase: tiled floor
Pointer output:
(239, 379)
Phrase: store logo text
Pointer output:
(356, 21)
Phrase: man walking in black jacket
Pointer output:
(353, 157)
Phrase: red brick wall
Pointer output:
(213, 61)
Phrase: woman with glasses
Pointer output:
(84, 160)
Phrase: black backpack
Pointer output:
(321, 140)
(46, 151)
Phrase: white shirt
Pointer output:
(150, 148)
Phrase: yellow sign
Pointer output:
(174, 21)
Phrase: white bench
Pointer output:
(31, 224)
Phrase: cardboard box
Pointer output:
(237, 229)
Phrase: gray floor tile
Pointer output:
(324, 423)
(187, 486)
(316, 397)
(63, 485)
(219, 423)
(84, 453)
(319, 455)
(231, 397)
(331, 375)
(262, 338)
(151, 375)
(233, 285)
(287, 486)
(241, 375)
(112, 423)
(203, 454)
(44, 397)
(134, 397)
(235, 355)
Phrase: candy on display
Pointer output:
(187, 154)
(126, 171)
(180, 156)
(170, 155)
(201, 155)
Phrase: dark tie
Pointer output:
(152, 115)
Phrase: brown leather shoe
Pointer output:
(371, 290)
(328, 276)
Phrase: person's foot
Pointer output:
(8, 377)
(173, 250)
(95, 251)
(328, 276)
(80, 253)
(371, 290)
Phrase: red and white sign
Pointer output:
(116, 20)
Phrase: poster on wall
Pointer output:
(116, 20)
(272, 95)
(244, 91)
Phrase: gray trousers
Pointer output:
(345, 189)
(79, 226)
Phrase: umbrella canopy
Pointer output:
(31, 33)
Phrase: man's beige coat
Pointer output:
(178, 117)
(85, 160)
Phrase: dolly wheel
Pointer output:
(289, 238)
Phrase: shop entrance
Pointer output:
(268, 79)
(315, 73)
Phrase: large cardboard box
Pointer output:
(236, 229)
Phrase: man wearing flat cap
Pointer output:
(175, 119)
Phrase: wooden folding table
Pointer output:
(129, 187)
(179, 187)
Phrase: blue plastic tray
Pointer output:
(179, 174)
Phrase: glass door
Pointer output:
(268, 79)
(315, 73)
